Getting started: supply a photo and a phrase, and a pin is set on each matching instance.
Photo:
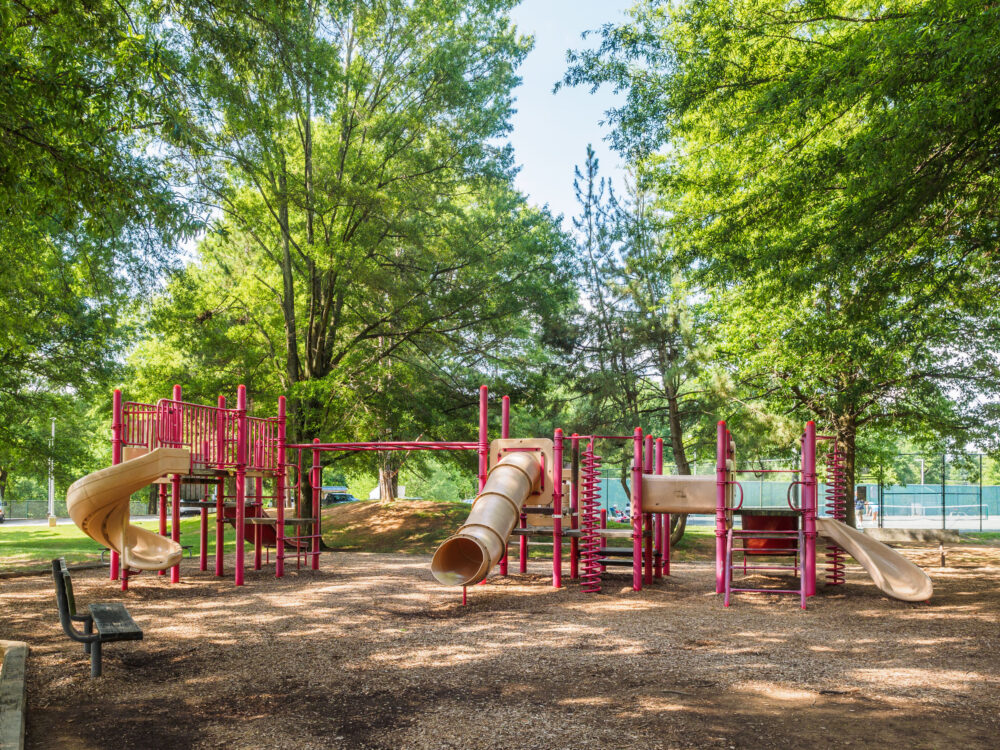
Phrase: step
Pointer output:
(615, 551)
(611, 561)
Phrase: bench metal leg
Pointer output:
(95, 659)
(88, 629)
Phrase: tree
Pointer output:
(828, 165)
(370, 256)
(643, 356)
(88, 213)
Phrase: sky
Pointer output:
(551, 131)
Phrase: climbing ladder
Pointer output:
(737, 540)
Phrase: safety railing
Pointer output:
(137, 423)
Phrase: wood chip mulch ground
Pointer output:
(370, 652)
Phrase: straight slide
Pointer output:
(99, 504)
(891, 572)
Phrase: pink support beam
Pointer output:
(317, 490)
(662, 523)
(637, 510)
(241, 482)
(574, 509)
(116, 458)
(721, 478)
(163, 516)
(809, 507)
(220, 492)
(258, 491)
(175, 492)
(504, 434)
(557, 467)
(279, 529)
(203, 532)
(483, 444)
(484, 435)
(647, 559)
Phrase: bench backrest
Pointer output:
(64, 588)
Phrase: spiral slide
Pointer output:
(891, 572)
(99, 504)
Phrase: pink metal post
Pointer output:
(317, 490)
(604, 525)
(721, 453)
(241, 480)
(504, 434)
(484, 435)
(220, 492)
(483, 444)
(175, 489)
(258, 489)
(809, 500)
(163, 517)
(557, 466)
(662, 523)
(574, 509)
(203, 527)
(279, 528)
(637, 510)
(647, 561)
(116, 457)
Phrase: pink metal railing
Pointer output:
(211, 434)
(263, 443)
(137, 423)
(208, 432)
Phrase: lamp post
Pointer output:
(52, 478)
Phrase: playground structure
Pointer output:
(173, 442)
(522, 487)
(533, 470)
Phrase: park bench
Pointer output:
(111, 620)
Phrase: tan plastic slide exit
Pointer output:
(467, 556)
(99, 504)
(891, 572)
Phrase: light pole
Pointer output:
(52, 478)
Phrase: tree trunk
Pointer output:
(678, 522)
(3, 483)
(388, 482)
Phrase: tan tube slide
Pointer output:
(98, 504)
(891, 572)
(678, 493)
(466, 557)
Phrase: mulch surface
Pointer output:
(371, 652)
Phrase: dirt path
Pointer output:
(370, 652)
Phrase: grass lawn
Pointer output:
(27, 548)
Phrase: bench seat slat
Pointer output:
(114, 623)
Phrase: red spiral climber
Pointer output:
(590, 541)
(836, 507)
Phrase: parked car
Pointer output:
(334, 495)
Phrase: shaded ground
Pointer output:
(371, 652)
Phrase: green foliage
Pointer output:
(87, 209)
(828, 167)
